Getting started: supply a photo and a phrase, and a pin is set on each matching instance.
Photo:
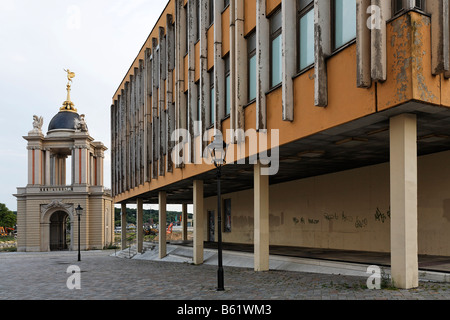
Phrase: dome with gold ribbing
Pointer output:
(67, 117)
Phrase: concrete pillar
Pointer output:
(403, 168)
(162, 224)
(140, 225)
(261, 222)
(123, 220)
(184, 221)
(198, 222)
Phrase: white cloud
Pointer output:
(96, 39)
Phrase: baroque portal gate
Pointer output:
(58, 231)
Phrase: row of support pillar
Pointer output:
(403, 185)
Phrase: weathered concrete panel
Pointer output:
(262, 64)
(363, 45)
(289, 54)
(322, 42)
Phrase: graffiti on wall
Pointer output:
(381, 216)
(358, 222)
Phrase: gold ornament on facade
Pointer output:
(68, 105)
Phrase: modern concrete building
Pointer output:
(336, 115)
(46, 217)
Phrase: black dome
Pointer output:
(63, 120)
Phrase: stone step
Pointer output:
(130, 252)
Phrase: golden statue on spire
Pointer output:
(68, 105)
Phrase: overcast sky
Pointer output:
(97, 39)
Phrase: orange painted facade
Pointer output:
(408, 79)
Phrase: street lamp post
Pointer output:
(218, 149)
(79, 211)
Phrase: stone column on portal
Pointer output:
(403, 176)
(47, 167)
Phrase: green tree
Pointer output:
(7, 217)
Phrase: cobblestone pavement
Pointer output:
(43, 276)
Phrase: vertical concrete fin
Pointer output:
(289, 54)
(440, 28)
(155, 102)
(192, 91)
(162, 100)
(219, 68)
(262, 64)
(204, 82)
(113, 151)
(170, 107)
(241, 82)
(363, 45)
(322, 43)
(128, 134)
(147, 88)
(180, 50)
(232, 96)
(381, 12)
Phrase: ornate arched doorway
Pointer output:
(59, 233)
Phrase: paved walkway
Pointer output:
(104, 276)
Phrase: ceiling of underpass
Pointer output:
(359, 143)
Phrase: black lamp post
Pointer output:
(218, 149)
(79, 211)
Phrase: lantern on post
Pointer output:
(79, 211)
(218, 151)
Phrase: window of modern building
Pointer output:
(212, 103)
(187, 29)
(420, 4)
(399, 5)
(197, 13)
(251, 60)
(344, 13)
(227, 86)
(186, 111)
(275, 49)
(305, 9)
(199, 110)
(211, 12)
